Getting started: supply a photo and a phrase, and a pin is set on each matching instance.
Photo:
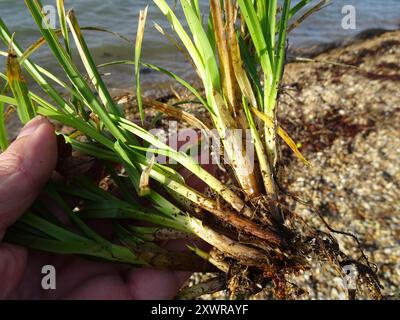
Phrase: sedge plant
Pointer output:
(238, 50)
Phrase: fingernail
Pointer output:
(31, 127)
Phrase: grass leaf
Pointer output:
(3, 119)
(70, 68)
(90, 66)
(138, 52)
(17, 83)
(63, 24)
(282, 133)
(180, 31)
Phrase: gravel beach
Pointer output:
(348, 122)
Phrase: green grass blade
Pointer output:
(260, 151)
(187, 162)
(211, 77)
(63, 24)
(46, 109)
(92, 150)
(5, 35)
(19, 88)
(86, 230)
(210, 33)
(107, 210)
(251, 68)
(196, 7)
(3, 132)
(272, 10)
(50, 229)
(42, 41)
(281, 55)
(262, 14)
(170, 74)
(266, 12)
(182, 34)
(89, 64)
(298, 7)
(115, 253)
(264, 51)
(70, 69)
(138, 53)
(8, 100)
(307, 14)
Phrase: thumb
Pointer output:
(24, 169)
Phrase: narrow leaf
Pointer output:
(138, 52)
(89, 64)
(3, 131)
(63, 24)
(289, 141)
(25, 108)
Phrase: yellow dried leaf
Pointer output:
(282, 133)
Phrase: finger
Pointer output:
(149, 283)
(12, 266)
(75, 273)
(103, 287)
(146, 284)
(24, 169)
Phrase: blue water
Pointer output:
(121, 16)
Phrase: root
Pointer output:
(264, 265)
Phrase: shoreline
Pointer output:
(293, 54)
(322, 48)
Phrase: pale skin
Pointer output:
(24, 169)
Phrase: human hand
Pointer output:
(25, 168)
